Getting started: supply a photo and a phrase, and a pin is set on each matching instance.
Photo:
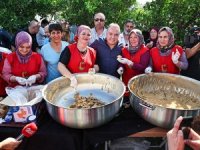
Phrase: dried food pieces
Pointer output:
(86, 102)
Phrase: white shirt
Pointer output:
(94, 35)
(122, 40)
(40, 36)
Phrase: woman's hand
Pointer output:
(73, 81)
(150, 44)
(148, 70)
(125, 61)
(175, 56)
(20, 80)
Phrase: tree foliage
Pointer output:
(16, 13)
(82, 11)
(177, 14)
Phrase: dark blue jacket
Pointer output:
(107, 57)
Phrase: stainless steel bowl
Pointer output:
(59, 96)
(163, 116)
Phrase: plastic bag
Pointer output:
(21, 95)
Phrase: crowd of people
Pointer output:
(44, 51)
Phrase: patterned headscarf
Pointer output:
(170, 42)
(79, 30)
(21, 38)
(138, 33)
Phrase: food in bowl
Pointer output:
(86, 102)
(166, 93)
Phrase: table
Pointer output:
(153, 132)
(53, 136)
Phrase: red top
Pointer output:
(3, 83)
(32, 67)
(80, 62)
(164, 63)
(135, 58)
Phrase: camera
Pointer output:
(193, 37)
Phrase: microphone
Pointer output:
(27, 131)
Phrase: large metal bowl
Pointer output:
(163, 116)
(59, 96)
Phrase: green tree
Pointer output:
(177, 14)
(16, 13)
(82, 11)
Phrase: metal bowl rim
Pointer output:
(82, 74)
(168, 74)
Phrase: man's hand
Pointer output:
(9, 144)
(175, 136)
(193, 140)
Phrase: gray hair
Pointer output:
(114, 25)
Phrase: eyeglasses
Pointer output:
(97, 19)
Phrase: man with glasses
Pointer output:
(99, 30)
(123, 37)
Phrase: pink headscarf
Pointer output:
(79, 30)
(21, 38)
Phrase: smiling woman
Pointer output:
(78, 57)
(23, 67)
(167, 57)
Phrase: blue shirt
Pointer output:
(51, 57)
(107, 57)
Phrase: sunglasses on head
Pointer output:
(97, 19)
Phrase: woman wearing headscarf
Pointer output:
(153, 37)
(78, 57)
(166, 56)
(24, 67)
(135, 58)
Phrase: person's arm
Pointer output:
(63, 61)
(42, 72)
(143, 62)
(192, 51)
(182, 63)
(6, 72)
(9, 144)
(175, 136)
(63, 70)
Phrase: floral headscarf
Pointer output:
(170, 42)
(21, 38)
(138, 33)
